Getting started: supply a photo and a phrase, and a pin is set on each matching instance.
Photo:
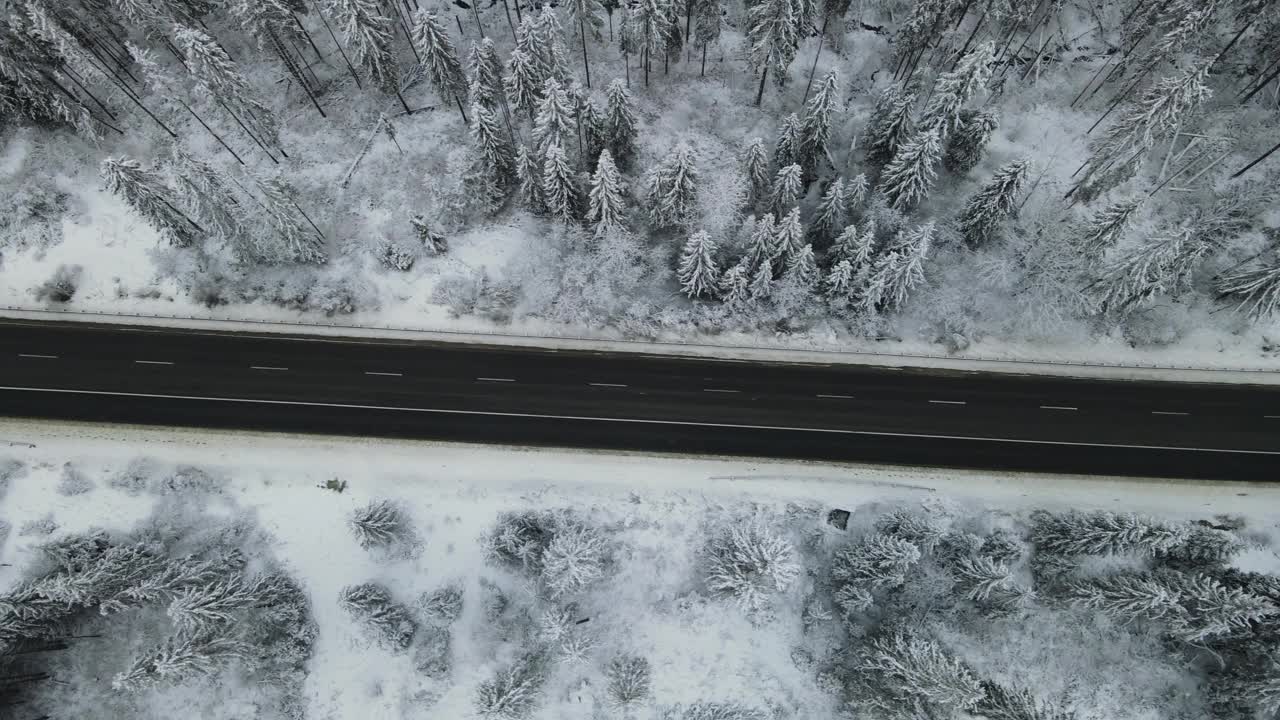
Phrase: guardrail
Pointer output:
(645, 343)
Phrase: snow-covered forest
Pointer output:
(419, 580)
(1068, 173)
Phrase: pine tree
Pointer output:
(496, 153)
(909, 176)
(208, 608)
(529, 173)
(916, 32)
(815, 130)
(371, 605)
(839, 282)
(755, 164)
(583, 13)
(890, 124)
(620, 124)
(735, 284)
(553, 124)
(856, 247)
(368, 35)
(910, 670)
(439, 57)
(855, 190)
(522, 83)
(591, 125)
(629, 680)
(216, 75)
(206, 195)
(512, 691)
(966, 145)
(1210, 609)
(773, 28)
(574, 559)
(606, 199)
(924, 530)
(763, 247)
(28, 75)
(1126, 597)
(672, 189)
(1001, 703)
(549, 46)
(379, 524)
(1256, 288)
(144, 192)
(761, 287)
(749, 562)
(786, 189)
(979, 577)
(786, 148)
(879, 561)
(699, 277)
(953, 89)
(486, 74)
(790, 238)
(899, 271)
(832, 212)
(560, 185)
(994, 202)
(647, 24)
(1107, 226)
(802, 268)
(708, 21)
(1101, 533)
(181, 657)
(299, 241)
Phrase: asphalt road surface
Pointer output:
(473, 393)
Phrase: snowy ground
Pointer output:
(657, 512)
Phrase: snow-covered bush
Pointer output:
(73, 482)
(442, 606)
(921, 529)
(61, 286)
(574, 559)
(749, 562)
(519, 539)
(512, 692)
(715, 711)
(395, 256)
(371, 605)
(381, 523)
(628, 680)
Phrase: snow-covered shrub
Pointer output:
(715, 711)
(520, 539)
(628, 680)
(574, 559)
(371, 605)
(31, 216)
(920, 529)
(381, 523)
(877, 561)
(749, 562)
(189, 479)
(904, 671)
(134, 478)
(61, 286)
(511, 692)
(180, 658)
(395, 256)
(40, 526)
(1204, 546)
(73, 482)
(442, 606)
(1002, 546)
(1102, 533)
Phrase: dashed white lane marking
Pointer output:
(1057, 407)
(1272, 417)
(719, 390)
(631, 421)
(267, 367)
(948, 402)
(606, 385)
(489, 379)
(1166, 412)
(384, 374)
(40, 357)
(836, 397)
(153, 362)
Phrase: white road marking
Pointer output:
(606, 385)
(632, 421)
(948, 402)
(718, 390)
(1165, 412)
(267, 367)
(837, 397)
(384, 374)
(153, 362)
(1272, 417)
(489, 379)
(1057, 407)
(41, 357)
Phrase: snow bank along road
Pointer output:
(642, 402)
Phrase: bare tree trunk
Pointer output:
(822, 36)
(760, 90)
(703, 73)
(582, 28)
(1259, 159)
(215, 135)
(350, 68)
(507, 7)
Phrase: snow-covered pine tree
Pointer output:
(606, 200)
(855, 191)
(916, 32)
(1107, 226)
(529, 173)
(966, 145)
(789, 241)
(548, 42)
(735, 284)
(28, 76)
(216, 75)
(620, 124)
(786, 189)
(553, 124)
(299, 240)
(210, 607)
(996, 201)
(574, 559)
(522, 83)
(786, 148)
(560, 185)
(1102, 533)
(672, 189)
(486, 72)
(585, 14)
(878, 561)
(1126, 596)
(900, 270)
(512, 691)
(922, 529)
(979, 577)
(815, 129)
(773, 28)
(953, 89)
(856, 247)
(591, 125)
(493, 147)
(838, 285)
(699, 277)
(371, 605)
(378, 524)
(1257, 288)
(205, 194)
(762, 246)
(833, 212)
(1002, 703)
(628, 680)
(890, 124)
(761, 287)
(647, 24)
(749, 562)
(367, 32)
(909, 176)
(146, 194)
(1160, 265)
(755, 165)
(707, 22)
(802, 269)
(1210, 609)
(910, 670)
(181, 657)
(439, 57)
